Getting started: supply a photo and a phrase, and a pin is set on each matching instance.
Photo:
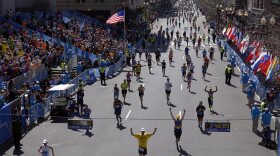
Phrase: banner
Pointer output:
(80, 123)
(217, 126)
(5, 123)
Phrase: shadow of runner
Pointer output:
(204, 132)
(121, 127)
(232, 85)
(215, 113)
(89, 134)
(17, 152)
(126, 103)
(183, 152)
(192, 92)
(172, 105)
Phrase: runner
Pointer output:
(184, 71)
(150, 60)
(196, 50)
(210, 96)
(118, 110)
(175, 43)
(168, 87)
(128, 79)
(45, 148)
(170, 56)
(189, 78)
(124, 87)
(211, 53)
(143, 140)
(163, 67)
(204, 53)
(186, 51)
(138, 70)
(200, 113)
(178, 126)
(157, 53)
(141, 90)
(134, 63)
(204, 71)
(116, 91)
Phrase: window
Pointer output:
(258, 4)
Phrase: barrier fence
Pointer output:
(40, 109)
(260, 89)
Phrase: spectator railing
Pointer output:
(260, 89)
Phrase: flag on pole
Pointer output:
(117, 17)
(272, 68)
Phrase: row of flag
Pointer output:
(253, 53)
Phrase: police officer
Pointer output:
(228, 73)
(102, 75)
(80, 98)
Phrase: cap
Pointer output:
(143, 129)
(45, 141)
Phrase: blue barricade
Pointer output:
(5, 123)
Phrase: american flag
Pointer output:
(117, 17)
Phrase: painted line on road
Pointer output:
(183, 57)
(143, 84)
(127, 114)
(181, 86)
(180, 113)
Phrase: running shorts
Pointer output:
(178, 133)
(124, 91)
(141, 93)
(118, 111)
(167, 92)
(210, 100)
(142, 151)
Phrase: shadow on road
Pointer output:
(121, 127)
(17, 152)
(126, 103)
(183, 152)
(207, 80)
(192, 92)
(172, 105)
(232, 85)
(144, 107)
(204, 132)
(89, 134)
(215, 113)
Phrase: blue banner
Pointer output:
(5, 123)
(217, 126)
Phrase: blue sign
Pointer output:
(80, 124)
(5, 123)
(217, 126)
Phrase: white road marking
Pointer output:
(181, 86)
(183, 57)
(143, 84)
(180, 113)
(127, 114)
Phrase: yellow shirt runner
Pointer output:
(143, 139)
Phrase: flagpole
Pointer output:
(124, 36)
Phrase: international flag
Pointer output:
(272, 68)
(259, 60)
(117, 17)
(232, 31)
(228, 31)
(264, 67)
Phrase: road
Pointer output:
(107, 139)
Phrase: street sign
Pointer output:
(80, 124)
(217, 126)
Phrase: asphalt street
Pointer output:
(107, 139)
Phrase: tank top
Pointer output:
(178, 124)
(45, 150)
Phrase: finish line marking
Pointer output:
(127, 114)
